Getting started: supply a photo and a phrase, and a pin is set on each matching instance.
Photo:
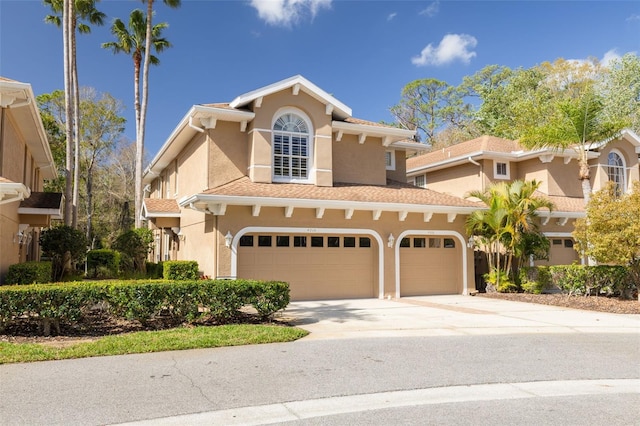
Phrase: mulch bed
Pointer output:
(590, 303)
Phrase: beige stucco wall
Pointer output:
(228, 153)
(599, 177)
(359, 163)
(534, 169)
(239, 217)
(399, 174)
(457, 181)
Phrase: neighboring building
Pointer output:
(25, 161)
(475, 164)
(283, 183)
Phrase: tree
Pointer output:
(622, 90)
(63, 245)
(135, 244)
(137, 41)
(507, 228)
(429, 105)
(610, 231)
(84, 10)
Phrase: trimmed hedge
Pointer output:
(217, 300)
(578, 279)
(180, 270)
(29, 273)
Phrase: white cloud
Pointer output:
(452, 47)
(632, 18)
(431, 10)
(609, 57)
(391, 16)
(288, 12)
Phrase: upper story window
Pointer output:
(420, 180)
(616, 172)
(291, 148)
(501, 170)
(390, 160)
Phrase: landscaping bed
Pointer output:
(592, 303)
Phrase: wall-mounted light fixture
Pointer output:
(21, 237)
(391, 240)
(227, 239)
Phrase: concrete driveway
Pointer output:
(447, 316)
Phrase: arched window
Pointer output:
(616, 171)
(291, 148)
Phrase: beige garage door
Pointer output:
(430, 265)
(315, 266)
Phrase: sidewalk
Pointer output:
(447, 315)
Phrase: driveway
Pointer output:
(450, 315)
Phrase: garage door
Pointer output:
(430, 265)
(315, 266)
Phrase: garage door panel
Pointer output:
(430, 270)
(313, 272)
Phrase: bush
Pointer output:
(29, 273)
(505, 285)
(154, 270)
(534, 279)
(136, 245)
(180, 270)
(220, 300)
(103, 263)
(59, 242)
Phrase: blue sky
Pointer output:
(362, 52)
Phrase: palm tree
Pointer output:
(509, 218)
(137, 41)
(83, 10)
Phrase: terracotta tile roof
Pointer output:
(483, 143)
(218, 105)
(161, 205)
(5, 180)
(8, 79)
(392, 193)
(43, 200)
(354, 120)
(564, 204)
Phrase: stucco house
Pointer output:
(25, 162)
(477, 163)
(284, 183)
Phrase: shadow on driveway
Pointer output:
(303, 313)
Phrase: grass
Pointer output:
(153, 341)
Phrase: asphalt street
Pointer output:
(552, 377)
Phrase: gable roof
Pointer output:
(297, 82)
(160, 207)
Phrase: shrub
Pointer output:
(269, 297)
(535, 279)
(180, 270)
(29, 273)
(136, 245)
(59, 242)
(103, 263)
(505, 285)
(154, 270)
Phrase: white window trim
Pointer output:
(495, 170)
(415, 181)
(310, 162)
(623, 168)
(392, 155)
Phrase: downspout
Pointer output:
(216, 258)
(2, 112)
(474, 162)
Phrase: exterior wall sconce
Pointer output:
(21, 237)
(227, 239)
(471, 243)
(390, 240)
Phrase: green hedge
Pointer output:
(180, 270)
(578, 279)
(29, 273)
(217, 300)
(103, 263)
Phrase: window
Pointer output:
(420, 242)
(317, 241)
(365, 242)
(291, 148)
(333, 241)
(246, 241)
(299, 241)
(390, 160)
(405, 242)
(434, 242)
(282, 241)
(568, 243)
(501, 170)
(420, 181)
(616, 172)
(557, 242)
(349, 241)
(264, 241)
(449, 243)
